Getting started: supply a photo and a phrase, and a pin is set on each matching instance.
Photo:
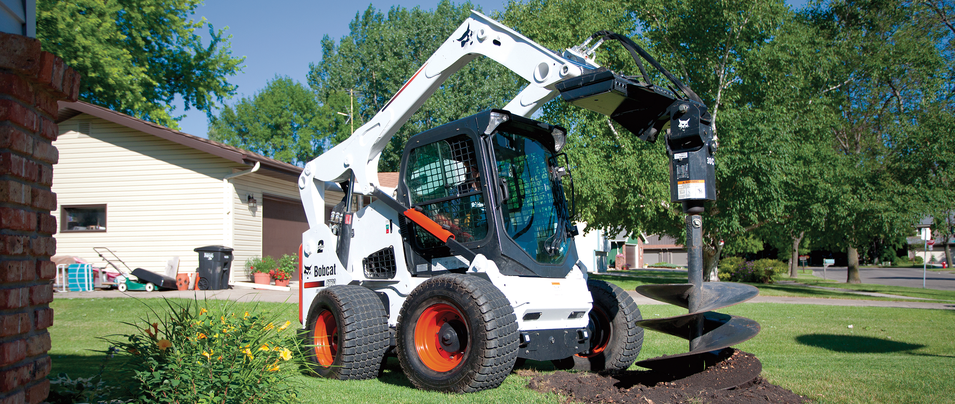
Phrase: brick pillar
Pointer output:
(31, 83)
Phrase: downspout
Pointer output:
(227, 188)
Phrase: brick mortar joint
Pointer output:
(24, 337)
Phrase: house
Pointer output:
(150, 193)
(598, 249)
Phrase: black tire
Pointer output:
(347, 333)
(615, 340)
(203, 284)
(481, 329)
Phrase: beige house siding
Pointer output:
(247, 223)
(163, 199)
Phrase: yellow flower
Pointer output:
(274, 367)
(284, 326)
(208, 355)
(203, 311)
(286, 354)
(246, 315)
(164, 344)
(222, 318)
(248, 352)
(264, 347)
(269, 327)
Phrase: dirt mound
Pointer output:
(733, 379)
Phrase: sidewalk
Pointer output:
(642, 300)
(236, 294)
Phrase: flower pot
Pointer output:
(261, 278)
(281, 282)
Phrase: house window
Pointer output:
(83, 218)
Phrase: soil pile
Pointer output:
(733, 379)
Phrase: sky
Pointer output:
(281, 37)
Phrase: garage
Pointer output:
(283, 222)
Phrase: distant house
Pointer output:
(598, 249)
(150, 193)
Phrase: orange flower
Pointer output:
(203, 311)
(201, 336)
(164, 344)
(274, 367)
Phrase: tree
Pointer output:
(136, 56)
(284, 121)
(890, 68)
(383, 51)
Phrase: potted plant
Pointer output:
(260, 267)
(283, 272)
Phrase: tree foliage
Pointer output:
(137, 56)
(284, 121)
(383, 50)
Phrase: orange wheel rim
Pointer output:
(325, 338)
(433, 351)
(600, 332)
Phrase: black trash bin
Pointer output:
(215, 262)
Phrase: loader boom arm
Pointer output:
(477, 36)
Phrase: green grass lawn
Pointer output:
(890, 355)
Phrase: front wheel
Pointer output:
(122, 287)
(347, 333)
(150, 287)
(615, 339)
(457, 334)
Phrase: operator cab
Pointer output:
(496, 182)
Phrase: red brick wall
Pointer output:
(31, 82)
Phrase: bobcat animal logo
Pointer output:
(465, 39)
(684, 124)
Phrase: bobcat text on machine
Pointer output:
(470, 264)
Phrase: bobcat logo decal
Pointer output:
(684, 124)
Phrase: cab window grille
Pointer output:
(380, 264)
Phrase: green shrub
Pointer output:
(211, 354)
(736, 269)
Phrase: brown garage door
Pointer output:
(283, 222)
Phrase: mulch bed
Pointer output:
(732, 379)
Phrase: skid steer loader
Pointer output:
(470, 264)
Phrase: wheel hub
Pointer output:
(449, 338)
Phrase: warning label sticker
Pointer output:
(691, 189)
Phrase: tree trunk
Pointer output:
(852, 275)
(711, 261)
(948, 253)
(794, 260)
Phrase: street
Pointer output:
(909, 277)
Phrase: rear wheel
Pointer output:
(122, 287)
(615, 340)
(150, 287)
(347, 333)
(457, 333)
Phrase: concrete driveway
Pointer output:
(909, 277)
